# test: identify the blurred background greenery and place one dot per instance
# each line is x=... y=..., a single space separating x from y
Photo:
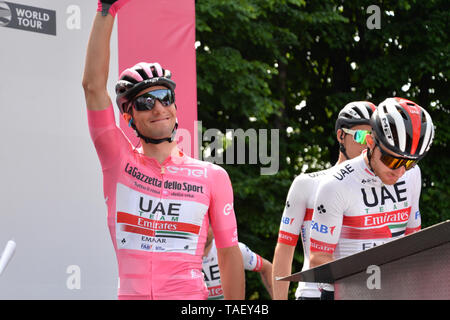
x=292 y=65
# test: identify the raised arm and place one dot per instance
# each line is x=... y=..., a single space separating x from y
x=97 y=63
x=96 y=66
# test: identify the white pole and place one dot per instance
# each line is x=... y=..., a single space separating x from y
x=7 y=255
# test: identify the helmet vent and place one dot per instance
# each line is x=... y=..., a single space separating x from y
x=358 y=112
x=154 y=72
x=129 y=79
x=402 y=113
x=424 y=119
x=142 y=73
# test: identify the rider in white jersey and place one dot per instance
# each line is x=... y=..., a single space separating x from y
x=252 y=262
x=373 y=198
x=352 y=120
x=355 y=210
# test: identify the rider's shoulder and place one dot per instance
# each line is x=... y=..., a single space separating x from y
x=314 y=175
x=306 y=182
x=413 y=173
x=211 y=169
x=339 y=177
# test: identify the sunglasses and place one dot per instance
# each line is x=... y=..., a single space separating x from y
x=147 y=100
x=358 y=135
x=393 y=162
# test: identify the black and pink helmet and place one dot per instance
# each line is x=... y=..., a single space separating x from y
x=403 y=127
x=139 y=77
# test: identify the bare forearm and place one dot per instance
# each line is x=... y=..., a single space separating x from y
x=232 y=273
x=319 y=258
x=282 y=267
x=97 y=62
x=266 y=276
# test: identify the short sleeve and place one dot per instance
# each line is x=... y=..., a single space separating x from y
x=108 y=139
x=221 y=209
x=252 y=261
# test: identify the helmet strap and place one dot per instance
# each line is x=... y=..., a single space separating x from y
x=341 y=145
x=155 y=141
x=343 y=151
x=369 y=158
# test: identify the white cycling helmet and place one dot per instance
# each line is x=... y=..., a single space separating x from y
x=403 y=127
x=354 y=113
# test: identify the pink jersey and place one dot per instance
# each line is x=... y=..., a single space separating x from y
x=159 y=214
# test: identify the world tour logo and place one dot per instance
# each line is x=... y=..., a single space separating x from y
x=18 y=16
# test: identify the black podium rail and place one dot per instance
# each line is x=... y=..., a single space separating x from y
x=416 y=266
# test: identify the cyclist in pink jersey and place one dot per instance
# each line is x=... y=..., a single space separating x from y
x=160 y=201
x=351 y=122
x=374 y=198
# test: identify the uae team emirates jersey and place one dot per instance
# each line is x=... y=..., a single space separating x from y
x=355 y=211
x=159 y=214
x=252 y=262
x=296 y=221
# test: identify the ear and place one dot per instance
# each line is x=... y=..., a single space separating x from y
x=126 y=116
x=340 y=136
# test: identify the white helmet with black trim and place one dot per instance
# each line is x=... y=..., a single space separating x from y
x=354 y=113
x=403 y=127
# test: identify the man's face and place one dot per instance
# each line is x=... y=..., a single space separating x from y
x=388 y=176
x=157 y=123
x=352 y=147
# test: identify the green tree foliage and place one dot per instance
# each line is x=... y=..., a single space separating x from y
x=292 y=65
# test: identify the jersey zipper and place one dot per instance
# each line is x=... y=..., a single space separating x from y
x=157 y=219
x=161 y=192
